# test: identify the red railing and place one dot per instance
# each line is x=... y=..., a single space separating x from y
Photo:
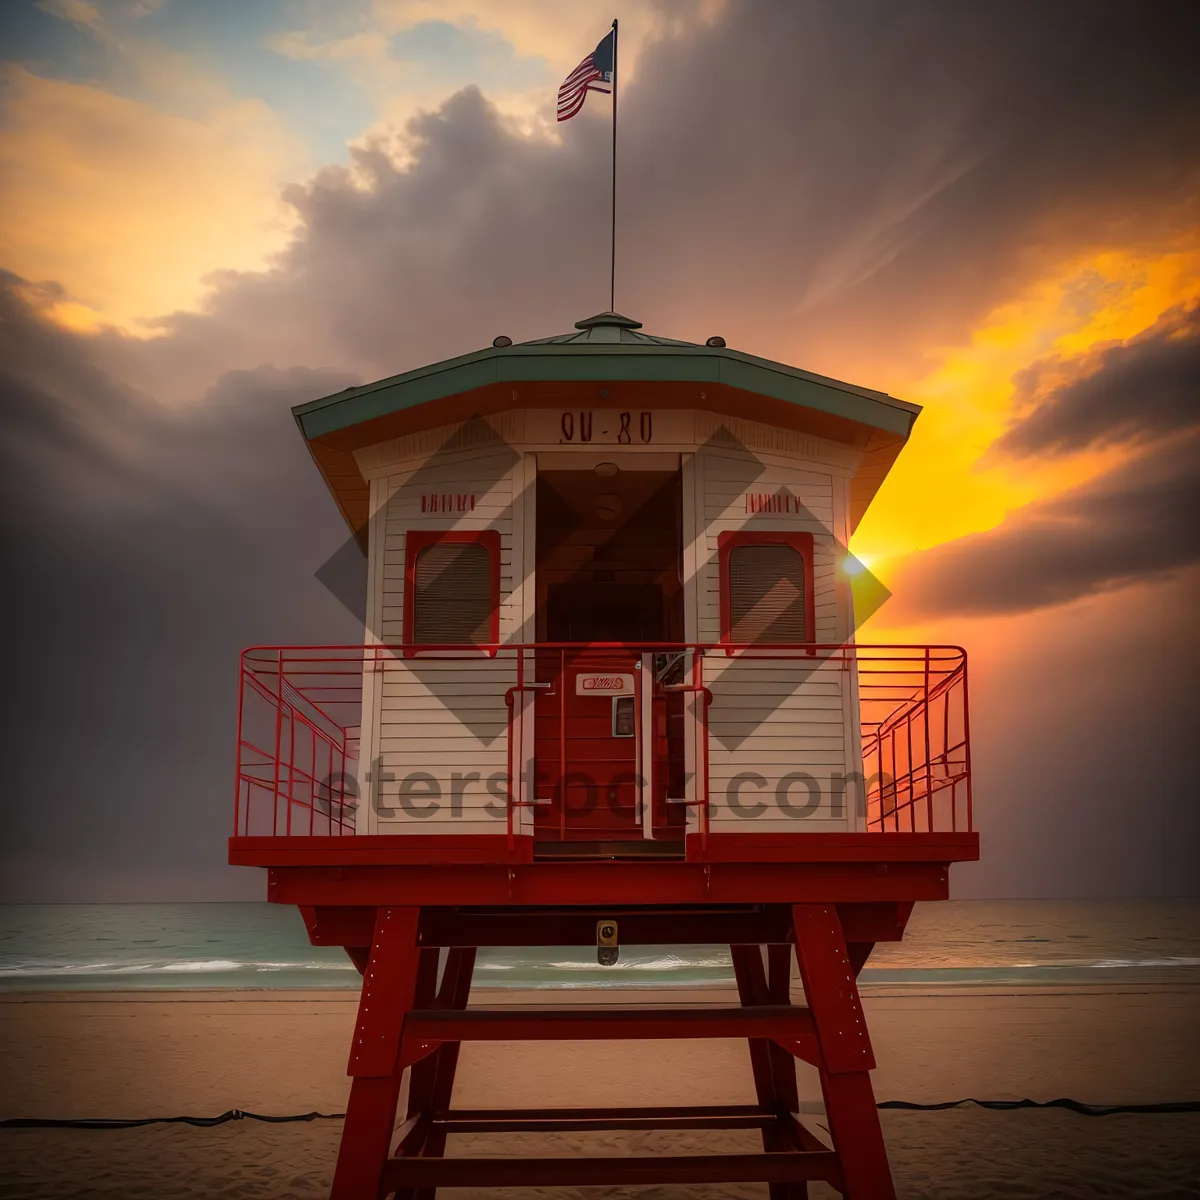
x=298 y=723
x=300 y=711
x=916 y=748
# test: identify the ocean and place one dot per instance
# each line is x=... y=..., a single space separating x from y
x=964 y=943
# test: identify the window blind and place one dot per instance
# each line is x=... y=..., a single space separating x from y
x=766 y=594
x=452 y=594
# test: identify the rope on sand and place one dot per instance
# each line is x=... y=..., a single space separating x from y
x=236 y=1114
x=1078 y=1106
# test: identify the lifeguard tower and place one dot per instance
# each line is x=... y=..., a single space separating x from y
x=608 y=695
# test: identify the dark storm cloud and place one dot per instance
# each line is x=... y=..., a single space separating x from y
x=1134 y=523
x=891 y=169
x=54 y=400
x=1140 y=390
x=145 y=547
x=76 y=438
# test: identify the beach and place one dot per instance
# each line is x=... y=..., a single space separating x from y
x=133 y=1054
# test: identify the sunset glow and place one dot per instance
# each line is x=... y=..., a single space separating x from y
x=946 y=484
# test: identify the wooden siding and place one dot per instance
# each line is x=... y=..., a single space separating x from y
x=441 y=733
x=776 y=729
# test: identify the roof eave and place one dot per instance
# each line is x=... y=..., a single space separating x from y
x=617 y=363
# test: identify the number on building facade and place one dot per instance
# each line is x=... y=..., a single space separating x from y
x=581 y=429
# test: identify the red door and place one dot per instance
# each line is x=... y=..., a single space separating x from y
x=587 y=729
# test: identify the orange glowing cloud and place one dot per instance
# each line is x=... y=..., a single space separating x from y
x=946 y=485
x=130 y=207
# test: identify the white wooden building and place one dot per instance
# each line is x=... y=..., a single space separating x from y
x=567 y=540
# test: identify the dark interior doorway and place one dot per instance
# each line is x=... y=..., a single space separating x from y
x=609 y=555
x=604 y=612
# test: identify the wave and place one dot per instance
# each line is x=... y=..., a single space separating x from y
x=669 y=963
x=174 y=966
x=1112 y=963
x=524 y=970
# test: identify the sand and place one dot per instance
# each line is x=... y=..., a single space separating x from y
x=136 y=1054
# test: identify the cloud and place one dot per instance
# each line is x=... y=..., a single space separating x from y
x=92 y=16
x=850 y=236
x=303 y=44
x=557 y=34
x=1134 y=523
x=130 y=207
x=1076 y=723
x=78 y=12
x=1136 y=391
x=146 y=547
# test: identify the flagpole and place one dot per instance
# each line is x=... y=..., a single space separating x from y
x=612 y=276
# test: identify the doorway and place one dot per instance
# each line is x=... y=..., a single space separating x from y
x=609 y=581
x=610 y=554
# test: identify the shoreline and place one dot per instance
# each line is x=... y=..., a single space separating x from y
x=677 y=993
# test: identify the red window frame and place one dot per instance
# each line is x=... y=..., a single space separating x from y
x=800 y=542
x=417 y=540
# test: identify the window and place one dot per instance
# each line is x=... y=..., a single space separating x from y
x=452 y=588
x=766 y=588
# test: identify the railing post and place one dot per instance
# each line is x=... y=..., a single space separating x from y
x=562 y=744
x=928 y=752
x=291 y=783
x=912 y=780
x=967 y=744
x=341 y=786
x=702 y=702
x=312 y=780
x=278 y=736
x=515 y=730
x=237 y=761
x=895 y=783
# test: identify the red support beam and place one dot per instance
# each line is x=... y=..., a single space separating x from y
x=343 y=925
x=874 y=922
x=710 y=926
x=452 y=995
x=389 y=986
x=753 y=990
x=375 y=849
x=608 y=884
x=593 y=1172
x=421 y=1077
x=579 y=1120
x=830 y=987
x=894 y=847
x=599 y=1024
x=458 y=849
x=858 y=953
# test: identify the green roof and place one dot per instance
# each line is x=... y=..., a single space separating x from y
x=606 y=348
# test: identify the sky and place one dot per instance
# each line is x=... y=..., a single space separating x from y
x=210 y=212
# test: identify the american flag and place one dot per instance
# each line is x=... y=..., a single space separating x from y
x=594 y=74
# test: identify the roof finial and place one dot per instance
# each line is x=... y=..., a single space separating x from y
x=613 y=319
